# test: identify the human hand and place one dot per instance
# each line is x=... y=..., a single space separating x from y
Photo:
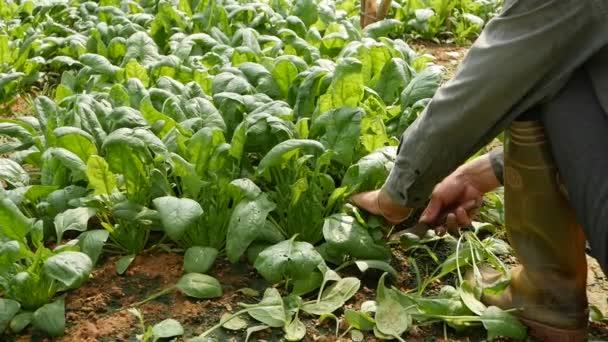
x=459 y=196
x=379 y=203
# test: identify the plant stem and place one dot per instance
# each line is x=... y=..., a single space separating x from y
x=221 y=323
x=154 y=296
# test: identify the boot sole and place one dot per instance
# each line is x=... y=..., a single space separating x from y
x=547 y=333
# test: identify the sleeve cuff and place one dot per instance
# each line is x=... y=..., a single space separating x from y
x=498 y=163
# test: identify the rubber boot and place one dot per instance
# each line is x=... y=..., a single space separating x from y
x=550 y=285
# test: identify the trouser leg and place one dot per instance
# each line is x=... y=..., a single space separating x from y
x=577 y=128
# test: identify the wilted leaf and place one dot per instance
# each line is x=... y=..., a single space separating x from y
x=167 y=328
x=270 y=310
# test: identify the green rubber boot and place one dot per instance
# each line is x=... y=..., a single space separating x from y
x=550 y=285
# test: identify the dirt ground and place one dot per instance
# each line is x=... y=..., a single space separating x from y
x=97 y=311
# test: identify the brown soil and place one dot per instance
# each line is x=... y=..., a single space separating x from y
x=15 y=107
x=446 y=55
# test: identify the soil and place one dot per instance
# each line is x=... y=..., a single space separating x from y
x=97 y=311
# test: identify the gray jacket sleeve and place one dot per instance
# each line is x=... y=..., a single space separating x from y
x=524 y=55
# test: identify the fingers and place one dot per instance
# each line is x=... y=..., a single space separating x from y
x=461 y=217
x=432 y=210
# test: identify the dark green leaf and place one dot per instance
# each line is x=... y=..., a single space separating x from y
x=70 y=268
x=8 y=310
x=500 y=323
x=359 y=320
x=13 y=173
x=287 y=260
x=199 y=286
x=177 y=214
x=339 y=130
x=246 y=222
x=91 y=243
x=50 y=318
x=199 y=259
x=20 y=321
x=123 y=263
x=344 y=234
x=73 y=219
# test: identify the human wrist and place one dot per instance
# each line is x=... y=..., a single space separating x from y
x=392 y=210
x=479 y=173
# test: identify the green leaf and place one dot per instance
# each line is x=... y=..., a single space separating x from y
x=141 y=47
x=359 y=320
x=284 y=73
x=287 y=260
x=383 y=28
x=333 y=297
x=99 y=64
x=500 y=323
x=50 y=318
x=306 y=10
x=269 y=310
x=134 y=70
x=347 y=87
x=470 y=296
x=295 y=330
x=101 y=179
x=345 y=235
x=285 y=150
x=246 y=222
x=365 y=265
x=123 y=263
x=167 y=329
x=76 y=141
x=199 y=259
x=177 y=214
x=20 y=321
x=235 y=323
x=395 y=75
x=70 y=268
x=422 y=86
x=8 y=310
x=391 y=317
x=252 y=330
x=13 y=173
x=73 y=219
x=91 y=243
x=370 y=171
x=14 y=225
x=595 y=314
x=307 y=285
x=199 y=286
x=339 y=130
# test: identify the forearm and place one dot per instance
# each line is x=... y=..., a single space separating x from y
x=485 y=95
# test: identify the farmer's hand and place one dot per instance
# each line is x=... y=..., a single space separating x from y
x=379 y=203
x=461 y=194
